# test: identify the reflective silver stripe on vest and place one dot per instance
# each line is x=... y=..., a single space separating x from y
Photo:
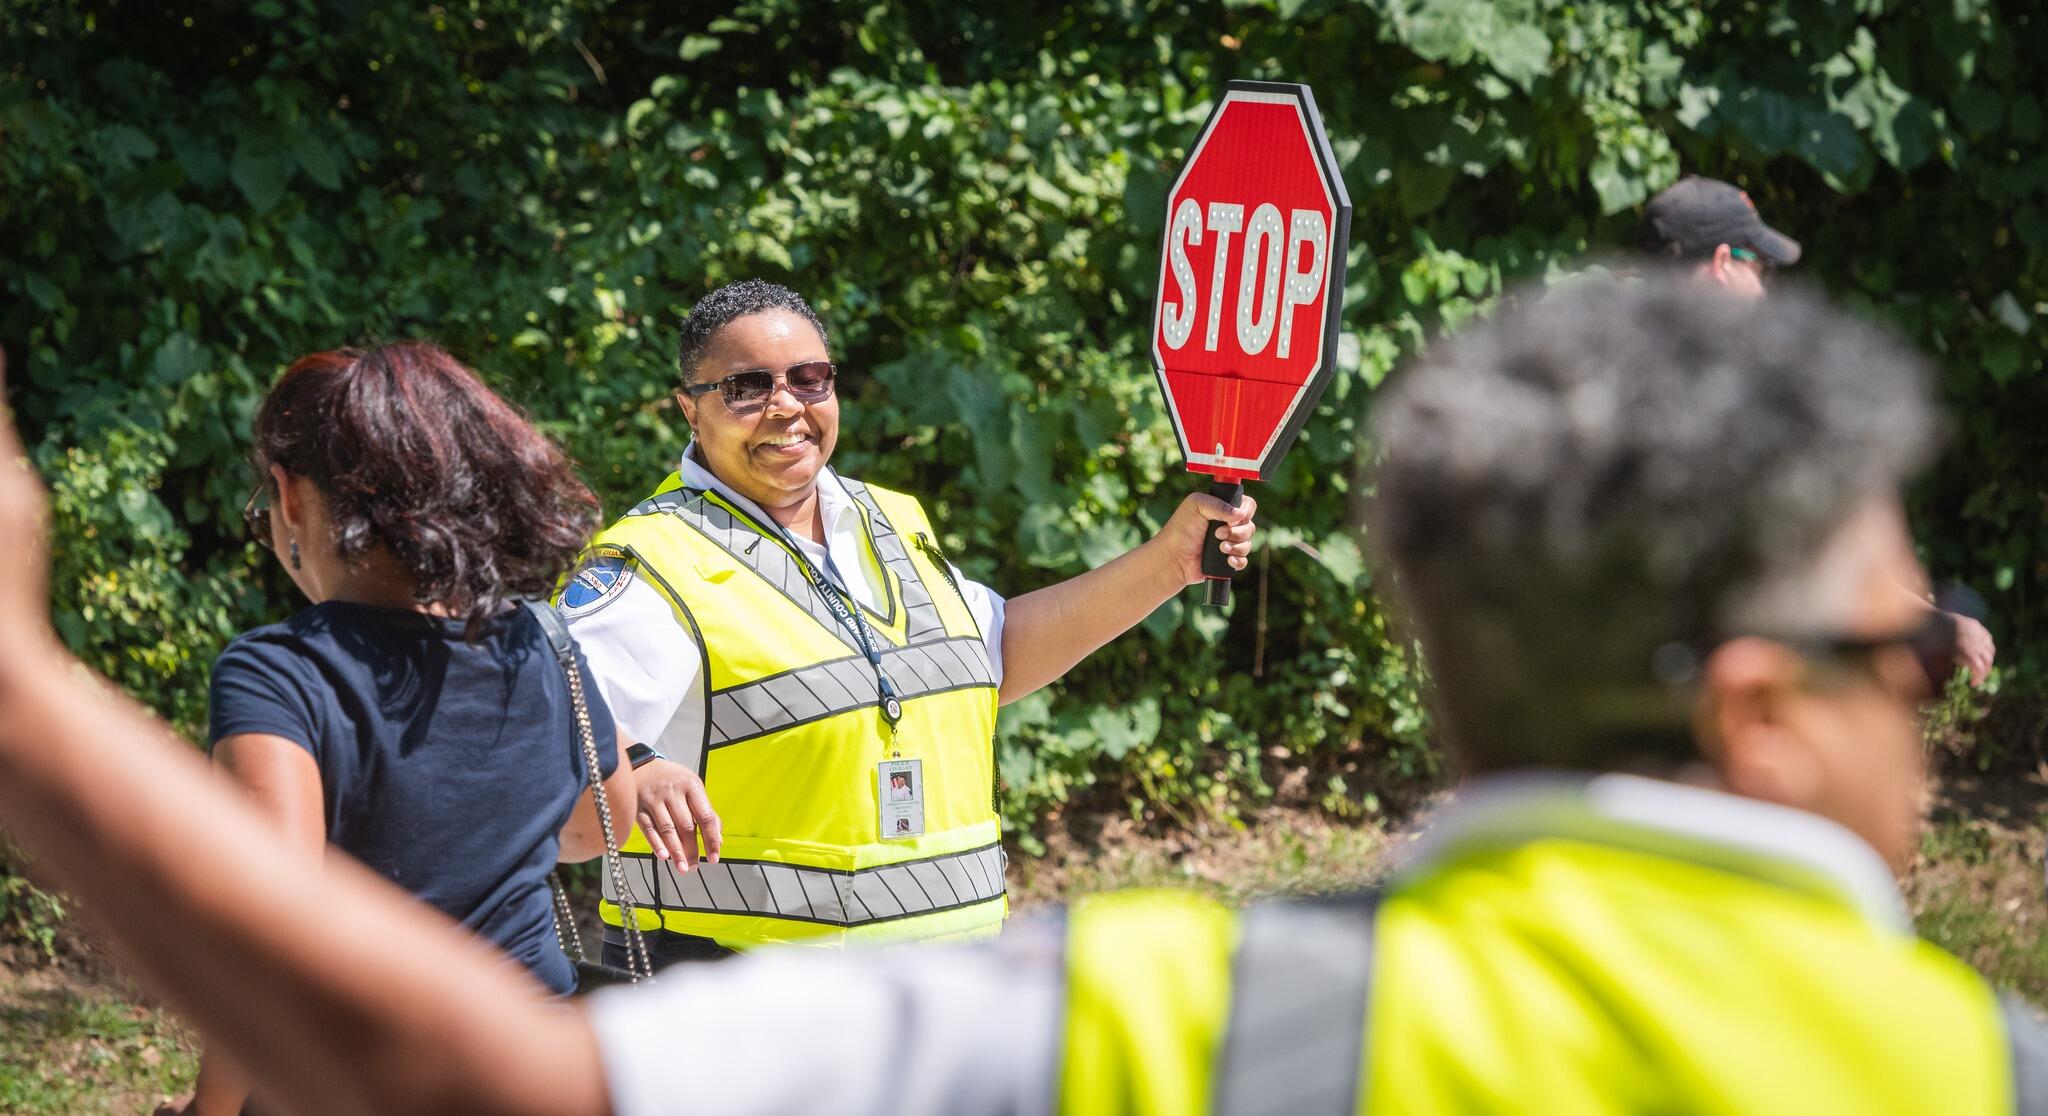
x=752 y=887
x=826 y=689
x=1299 y=989
x=922 y=615
x=2028 y=1042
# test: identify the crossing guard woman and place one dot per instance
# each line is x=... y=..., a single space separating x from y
x=795 y=639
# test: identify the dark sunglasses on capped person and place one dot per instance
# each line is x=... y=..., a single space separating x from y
x=1764 y=264
x=1933 y=634
x=748 y=391
x=256 y=514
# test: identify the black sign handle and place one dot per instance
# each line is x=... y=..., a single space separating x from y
x=1215 y=563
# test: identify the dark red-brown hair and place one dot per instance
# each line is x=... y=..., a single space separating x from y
x=416 y=456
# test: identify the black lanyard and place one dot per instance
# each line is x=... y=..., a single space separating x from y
x=892 y=707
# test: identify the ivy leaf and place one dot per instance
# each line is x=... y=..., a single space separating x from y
x=1045 y=538
x=1978 y=109
x=1121 y=730
x=1520 y=52
x=177 y=359
x=1696 y=107
x=697 y=46
x=2032 y=228
x=123 y=145
x=2023 y=118
x=1617 y=187
x=259 y=173
x=1422 y=187
x=2002 y=358
x=46 y=294
x=317 y=159
x=1106 y=541
x=1034 y=435
x=1339 y=554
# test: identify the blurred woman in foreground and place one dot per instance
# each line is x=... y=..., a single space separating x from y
x=414 y=715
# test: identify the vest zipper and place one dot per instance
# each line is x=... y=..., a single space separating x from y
x=931 y=550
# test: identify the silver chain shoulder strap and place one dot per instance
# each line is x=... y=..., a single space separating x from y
x=639 y=965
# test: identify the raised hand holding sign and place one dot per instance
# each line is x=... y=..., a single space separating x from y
x=1251 y=280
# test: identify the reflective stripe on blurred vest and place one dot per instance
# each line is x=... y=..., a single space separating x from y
x=1554 y=976
x=794 y=734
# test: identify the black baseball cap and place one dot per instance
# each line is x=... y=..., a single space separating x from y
x=1696 y=215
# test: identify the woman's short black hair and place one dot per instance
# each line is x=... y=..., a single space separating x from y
x=416 y=456
x=728 y=304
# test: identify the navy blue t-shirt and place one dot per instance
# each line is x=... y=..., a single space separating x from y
x=448 y=767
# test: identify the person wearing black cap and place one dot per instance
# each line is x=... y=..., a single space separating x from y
x=1714 y=229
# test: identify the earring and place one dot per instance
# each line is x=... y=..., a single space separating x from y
x=294 y=548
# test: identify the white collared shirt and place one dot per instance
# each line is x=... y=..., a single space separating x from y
x=648 y=667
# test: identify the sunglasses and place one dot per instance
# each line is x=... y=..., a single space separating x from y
x=1932 y=642
x=748 y=391
x=1763 y=265
x=1930 y=639
x=1933 y=635
x=256 y=516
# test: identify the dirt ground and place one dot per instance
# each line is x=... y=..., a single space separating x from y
x=1977 y=887
x=75 y=1037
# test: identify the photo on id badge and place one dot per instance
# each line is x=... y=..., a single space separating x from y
x=901 y=786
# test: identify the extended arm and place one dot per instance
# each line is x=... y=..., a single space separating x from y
x=1046 y=632
x=283 y=783
x=582 y=835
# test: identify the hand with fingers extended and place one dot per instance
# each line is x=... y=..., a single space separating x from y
x=1198 y=517
x=675 y=814
x=1974 y=648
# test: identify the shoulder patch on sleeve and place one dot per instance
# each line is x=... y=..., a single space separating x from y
x=597 y=583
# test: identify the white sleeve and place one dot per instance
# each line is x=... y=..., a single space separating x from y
x=924 y=1031
x=986 y=606
x=646 y=664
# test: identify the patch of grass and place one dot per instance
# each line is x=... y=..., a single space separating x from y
x=1976 y=888
x=1958 y=844
x=72 y=1049
x=1295 y=852
x=2009 y=954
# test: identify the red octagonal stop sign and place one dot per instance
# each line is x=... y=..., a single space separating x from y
x=1251 y=280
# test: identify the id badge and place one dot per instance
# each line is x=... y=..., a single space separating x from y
x=901 y=784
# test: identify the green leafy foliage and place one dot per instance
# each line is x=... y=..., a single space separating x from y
x=193 y=194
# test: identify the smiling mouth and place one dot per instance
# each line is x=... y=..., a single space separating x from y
x=786 y=443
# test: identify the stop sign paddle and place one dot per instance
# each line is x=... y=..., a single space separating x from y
x=1251 y=285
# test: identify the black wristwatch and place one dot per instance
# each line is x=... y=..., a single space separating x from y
x=640 y=755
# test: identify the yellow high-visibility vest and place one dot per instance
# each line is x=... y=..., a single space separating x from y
x=1554 y=976
x=794 y=734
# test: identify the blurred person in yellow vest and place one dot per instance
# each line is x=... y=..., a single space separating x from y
x=1650 y=546
x=1713 y=230
x=797 y=640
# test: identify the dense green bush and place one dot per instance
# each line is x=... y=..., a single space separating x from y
x=193 y=193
